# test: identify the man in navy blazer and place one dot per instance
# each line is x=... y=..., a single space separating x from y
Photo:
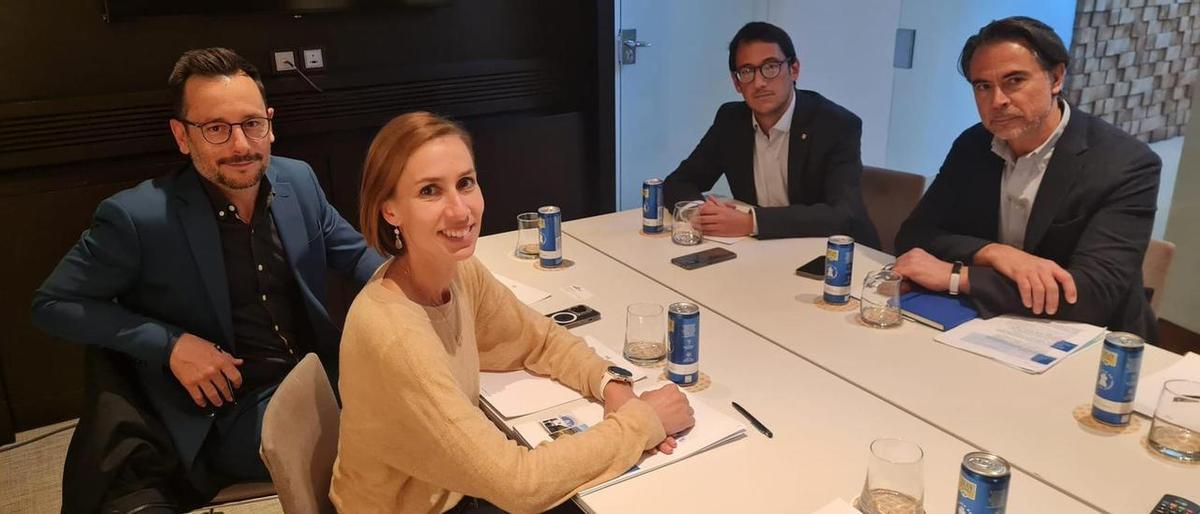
x=211 y=280
x=792 y=154
x=1042 y=209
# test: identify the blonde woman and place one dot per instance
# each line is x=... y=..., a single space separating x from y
x=412 y=436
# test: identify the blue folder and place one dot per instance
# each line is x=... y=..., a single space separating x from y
x=938 y=310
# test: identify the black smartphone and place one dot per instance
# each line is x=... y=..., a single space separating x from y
x=703 y=258
x=572 y=317
x=814 y=269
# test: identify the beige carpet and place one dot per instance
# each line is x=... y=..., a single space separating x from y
x=31 y=474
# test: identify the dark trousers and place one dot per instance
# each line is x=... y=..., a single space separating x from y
x=472 y=505
x=121 y=459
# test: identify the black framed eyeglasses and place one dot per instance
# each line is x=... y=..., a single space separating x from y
x=769 y=70
x=219 y=132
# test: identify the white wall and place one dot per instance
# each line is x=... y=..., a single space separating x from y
x=931 y=103
x=845 y=50
x=1181 y=304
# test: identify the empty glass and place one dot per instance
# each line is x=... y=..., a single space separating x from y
x=645 y=334
x=1175 y=431
x=686 y=227
x=879 y=303
x=527 y=236
x=895 y=481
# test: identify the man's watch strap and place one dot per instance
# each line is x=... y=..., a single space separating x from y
x=955 y=276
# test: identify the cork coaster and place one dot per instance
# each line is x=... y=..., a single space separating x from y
x=1083 y=416
x=660 y=235
x=700 y=385
x=851 y=305
x=566 y=263
x=1163 y=458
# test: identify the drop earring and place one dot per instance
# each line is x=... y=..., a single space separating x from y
x=399 y=243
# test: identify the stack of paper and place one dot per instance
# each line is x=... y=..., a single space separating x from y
x=1029 y=344
x=713 y=428
x=1150 y=386
x=517 y=393
x=526 y=293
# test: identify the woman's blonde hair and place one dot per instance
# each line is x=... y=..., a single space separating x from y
x=386 y=158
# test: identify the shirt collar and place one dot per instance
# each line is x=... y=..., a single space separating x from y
x=224 y=210
x=1001 y=148
x=784 y=125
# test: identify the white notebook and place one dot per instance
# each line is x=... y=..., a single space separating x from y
x=513 y=394
x=713 y=428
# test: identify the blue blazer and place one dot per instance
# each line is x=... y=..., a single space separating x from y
x=150 y=268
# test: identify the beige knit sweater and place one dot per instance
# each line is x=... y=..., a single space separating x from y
x=412 y=436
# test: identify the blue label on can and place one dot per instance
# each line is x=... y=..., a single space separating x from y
x=683 y=359
x=652 y=215
x=839 y=267
x=1116 y=383
x=978 y=494
x=550 y=238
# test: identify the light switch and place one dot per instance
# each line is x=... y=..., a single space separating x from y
x=314 y=59
x=285 y=60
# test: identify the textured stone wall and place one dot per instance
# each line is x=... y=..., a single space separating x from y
x=1135 y=63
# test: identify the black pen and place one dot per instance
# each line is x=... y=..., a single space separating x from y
x=754 y=421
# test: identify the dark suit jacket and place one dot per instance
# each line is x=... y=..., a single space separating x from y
x=824 y=168
x=150 y=269
x=1092 y=215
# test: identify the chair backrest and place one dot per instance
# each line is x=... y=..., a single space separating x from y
x=1155 y=266
x=300 y=436
x=890 y=197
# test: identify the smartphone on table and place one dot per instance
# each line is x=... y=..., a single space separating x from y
x=703 y=258
x=814 y=269
x=572 y=317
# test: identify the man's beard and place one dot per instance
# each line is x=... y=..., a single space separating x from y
x=229 y=182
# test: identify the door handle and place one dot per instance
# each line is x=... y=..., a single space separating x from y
x=629 y=46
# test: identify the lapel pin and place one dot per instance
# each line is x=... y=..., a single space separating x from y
x=803 y=136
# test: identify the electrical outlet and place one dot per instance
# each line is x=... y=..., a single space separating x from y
x=285 y=60
x=314 y=59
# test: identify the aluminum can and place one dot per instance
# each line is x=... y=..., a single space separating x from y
x=652 y=206
x=839 y=267
x=1116 y=383
x=982 y=484
x=550 y=236
x=683 y=334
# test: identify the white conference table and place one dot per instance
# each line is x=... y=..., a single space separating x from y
x=822 y=424
x=1027 y=419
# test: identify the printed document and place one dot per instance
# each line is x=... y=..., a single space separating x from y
x=1029 y=344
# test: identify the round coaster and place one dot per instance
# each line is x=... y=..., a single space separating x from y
x=1083 y=416
x=851 y=305
x=660 y=235
x=700 y=385
x=566 y=263
x=1163 y=458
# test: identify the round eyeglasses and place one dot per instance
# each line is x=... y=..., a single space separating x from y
x=769 y=70
x=219 y=132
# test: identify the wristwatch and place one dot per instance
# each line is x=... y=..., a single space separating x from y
x=615 y=374
x=955 y=275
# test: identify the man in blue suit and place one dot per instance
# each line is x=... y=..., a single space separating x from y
x=211 y=280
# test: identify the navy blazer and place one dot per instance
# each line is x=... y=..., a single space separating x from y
x=824 y=170
x=1093 y=215
x=150 y=268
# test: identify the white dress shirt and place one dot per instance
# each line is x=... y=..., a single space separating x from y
x=770 y=161
x=1020 y=182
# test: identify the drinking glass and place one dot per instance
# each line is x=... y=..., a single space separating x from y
x=686 y=227
x=895 y=481
x=645 y=334
x=527 y=236
x=879 y=303
x=1175 y=431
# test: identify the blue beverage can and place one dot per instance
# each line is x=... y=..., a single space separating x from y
x=1116 y=384
x=683 y=333
x=550 y=236
x=652 y=206
x=839 y=266
x=983 y=484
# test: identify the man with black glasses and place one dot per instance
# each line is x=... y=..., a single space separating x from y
x=791 y=154
x=207 y=285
